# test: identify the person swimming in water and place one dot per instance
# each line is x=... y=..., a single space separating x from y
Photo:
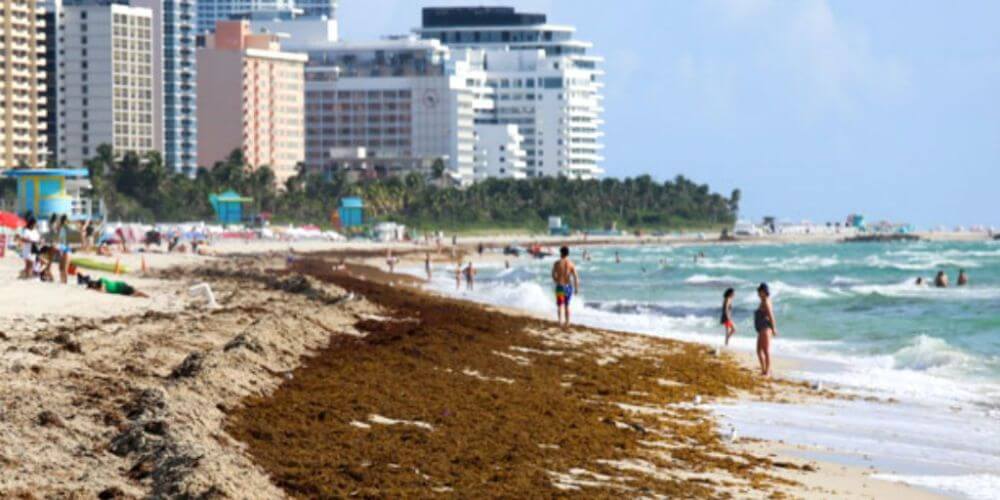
x=567 y=281
x=727 y=313
x=963 y=279
x=941 y=280
x=766 y=326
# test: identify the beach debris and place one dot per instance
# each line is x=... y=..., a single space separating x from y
x=190 y=367
x=49 y=419
x=732 y=435
x=717 y=352
x=379 y=419
x=112 y=493
x=817 y=386
x=205 y=291
x=243 y=341
x=68 y=343
x=295 y=283
x=697 y=399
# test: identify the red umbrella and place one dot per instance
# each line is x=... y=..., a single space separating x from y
x=11 y=220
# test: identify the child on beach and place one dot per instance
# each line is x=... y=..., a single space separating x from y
x=727 y=313
x=29 y=239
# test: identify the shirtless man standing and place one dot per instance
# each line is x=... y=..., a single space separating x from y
x=563 y=271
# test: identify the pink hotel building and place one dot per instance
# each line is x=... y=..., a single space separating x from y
x=250 y=96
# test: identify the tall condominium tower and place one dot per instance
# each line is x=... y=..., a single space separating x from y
x=404 y=102
x=250 y=95
x=175 y=69
x=105 y=82
x=22 y=83
x=544 y=80
x=210 y=11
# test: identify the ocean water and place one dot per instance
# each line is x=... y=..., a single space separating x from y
x=849 y=315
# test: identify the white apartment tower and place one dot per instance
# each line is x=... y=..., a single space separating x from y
x=22 y=83
x=544 y=81
x=406 y=102
x=105 y=82
x=499 y=154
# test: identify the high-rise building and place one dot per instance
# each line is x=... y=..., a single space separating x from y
x=22 y=76
x=175 y=93
x=247 y=79
x=544 y=80
x=104 y=81
x=499 y=153
x=210 y=11
x=407 y=102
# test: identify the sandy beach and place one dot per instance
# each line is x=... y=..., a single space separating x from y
x=312 y=381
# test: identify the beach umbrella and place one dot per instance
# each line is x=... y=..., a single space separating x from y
x=11 y=220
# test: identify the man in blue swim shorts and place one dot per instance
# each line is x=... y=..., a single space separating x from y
x=567 y=281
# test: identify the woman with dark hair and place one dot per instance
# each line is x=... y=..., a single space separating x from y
x=727 y=313
x=29 y=239
x=763 y=322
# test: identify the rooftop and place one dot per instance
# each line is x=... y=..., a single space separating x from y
x=441 y=17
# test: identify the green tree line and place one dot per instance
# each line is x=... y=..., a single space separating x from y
x=141 y=188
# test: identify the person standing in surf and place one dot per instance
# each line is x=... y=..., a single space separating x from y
x=763 y=322
x=567 y=281
x=727 y=313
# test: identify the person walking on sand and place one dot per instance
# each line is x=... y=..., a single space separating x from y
x=567 y=281
x=763 y=322
x=727 y=313
x=390 y=261
x=963 y=279
x=458 y=275
x=427 y=265
x=470 y=276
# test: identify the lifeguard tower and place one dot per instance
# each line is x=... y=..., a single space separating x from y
x=351 y=212
x=59 y=191
x=228 y=206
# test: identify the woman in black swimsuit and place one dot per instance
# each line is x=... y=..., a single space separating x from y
x=763 y=322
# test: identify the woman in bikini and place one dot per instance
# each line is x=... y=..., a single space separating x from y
x=763 y=322
x=727 y=313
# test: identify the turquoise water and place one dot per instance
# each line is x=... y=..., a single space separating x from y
x=849 y=315
x=859 y=299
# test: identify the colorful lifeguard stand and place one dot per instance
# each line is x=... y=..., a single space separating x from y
x=352 y=212
x=44 y=192
x=228 y=206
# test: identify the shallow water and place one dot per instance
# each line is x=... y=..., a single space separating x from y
x=851 y=312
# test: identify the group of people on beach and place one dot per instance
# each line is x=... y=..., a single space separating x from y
x=763 y=322
x=566 y=281
x=41 y=250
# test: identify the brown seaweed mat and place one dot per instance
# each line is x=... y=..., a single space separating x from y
x=451 y=399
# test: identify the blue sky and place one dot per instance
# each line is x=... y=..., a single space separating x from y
x=813 y=108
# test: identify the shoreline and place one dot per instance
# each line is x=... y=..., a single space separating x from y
x=260 y=363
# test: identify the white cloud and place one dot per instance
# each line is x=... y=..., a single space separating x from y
x=825 y=64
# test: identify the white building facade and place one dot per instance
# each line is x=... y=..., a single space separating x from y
x=499 y=154
x=407 y=102
x=544 y=82
x=210 y=11
x=105 y=82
